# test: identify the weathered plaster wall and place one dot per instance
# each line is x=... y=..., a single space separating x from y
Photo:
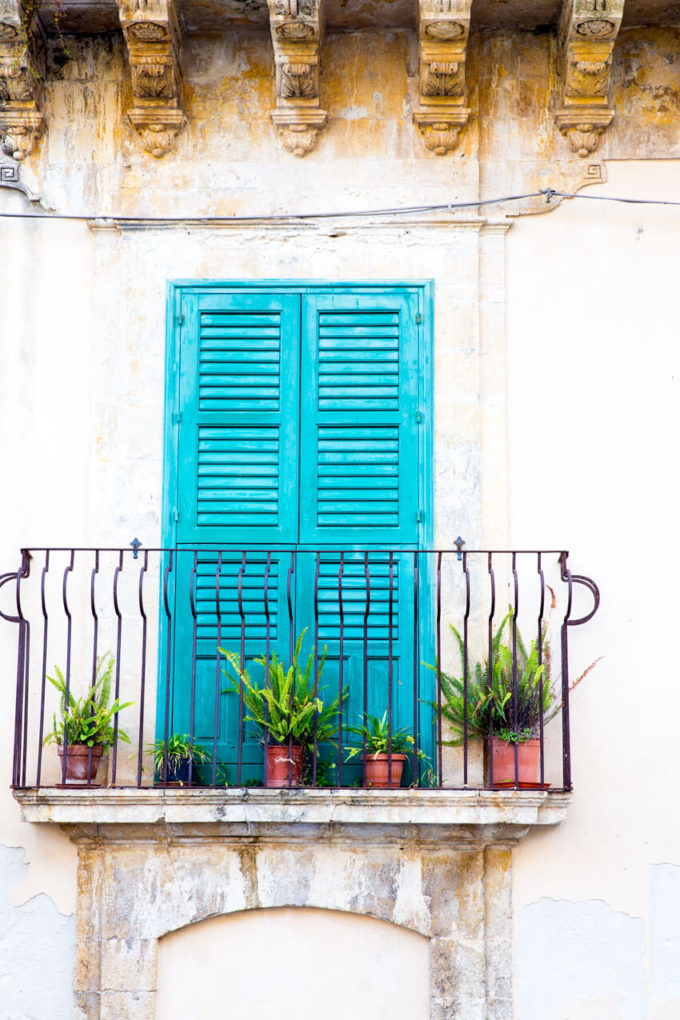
x=593 y=381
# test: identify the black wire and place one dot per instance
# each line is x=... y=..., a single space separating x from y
x=450 y=207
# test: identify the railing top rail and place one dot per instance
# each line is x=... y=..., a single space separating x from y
x=261 y=547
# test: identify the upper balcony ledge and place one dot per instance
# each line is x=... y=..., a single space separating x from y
x=474 y=815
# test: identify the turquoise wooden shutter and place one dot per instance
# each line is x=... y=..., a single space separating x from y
x=359 y=407
x=238 y=401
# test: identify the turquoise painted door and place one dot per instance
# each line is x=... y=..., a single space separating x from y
x=298 y=432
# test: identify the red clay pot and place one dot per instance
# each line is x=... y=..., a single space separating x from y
x=78 y=760
x=528 y=762
x=284 y=765
x=376 y=770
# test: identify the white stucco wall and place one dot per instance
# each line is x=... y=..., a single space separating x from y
x=593 y=384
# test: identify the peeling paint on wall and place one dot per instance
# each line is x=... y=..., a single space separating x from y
x=579 y=961
x=37 y=951
x=664 y=933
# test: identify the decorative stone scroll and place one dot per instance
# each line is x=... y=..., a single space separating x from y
x=153 y=36
x=444 y=26
x=587 y=34
x=297 y=30
x=22 y=78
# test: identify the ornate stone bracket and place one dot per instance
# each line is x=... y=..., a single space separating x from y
x=22 y=77
x=444 y=26
x=297 y=30
x=153 y=36
x=587 y=34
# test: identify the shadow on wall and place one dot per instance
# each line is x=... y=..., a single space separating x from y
x=294 y=962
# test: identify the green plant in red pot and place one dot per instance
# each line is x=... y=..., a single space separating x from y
x=291 y=717
x=87 y=725
x=384 y=753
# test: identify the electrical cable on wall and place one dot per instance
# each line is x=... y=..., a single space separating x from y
x=151 y=221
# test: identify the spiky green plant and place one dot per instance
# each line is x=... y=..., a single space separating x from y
x=376 y=733
x=88 y=720
x=286 y=708
x=491 y=707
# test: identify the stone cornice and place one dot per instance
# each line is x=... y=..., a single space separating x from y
x=466 y=816
x=443 y=31
x=587 y=34
x=153 y=36
x=22 y=77
x=297 y=32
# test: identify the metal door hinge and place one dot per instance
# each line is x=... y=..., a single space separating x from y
x=177 y=417
x=176 y=515
x=419 y=318
x=419 y=417
x=419 y=516
x=180 y=320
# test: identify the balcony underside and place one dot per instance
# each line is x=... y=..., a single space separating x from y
x=95 y=16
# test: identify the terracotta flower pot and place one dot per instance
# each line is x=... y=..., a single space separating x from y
x=79 y=767
x=528 y=762
x=284 y=765
x=377 y=771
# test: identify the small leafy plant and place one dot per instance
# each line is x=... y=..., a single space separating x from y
x=89 y=720
x=376 y=733
x=180 y=749
x=286 y=708
x=491 y=707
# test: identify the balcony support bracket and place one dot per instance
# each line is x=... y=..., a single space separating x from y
x=22 y=79
x=444 y=27
x=587 y=34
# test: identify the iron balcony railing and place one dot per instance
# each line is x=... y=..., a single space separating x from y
x=451 y=654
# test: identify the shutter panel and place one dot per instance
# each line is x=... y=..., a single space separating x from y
x=238 y=458
x=359 y=396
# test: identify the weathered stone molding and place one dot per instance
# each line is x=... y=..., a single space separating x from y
x=22 y=77
x=153 y=36
x=297 y=31
x=444 y=27
x=587 y=34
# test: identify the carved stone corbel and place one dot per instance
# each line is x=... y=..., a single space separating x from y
x=587 y=34
x=153 y=36
x=297 y=30
x=22 y=78
x=444 y=27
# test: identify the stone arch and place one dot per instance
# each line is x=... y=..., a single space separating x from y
x=299 y=960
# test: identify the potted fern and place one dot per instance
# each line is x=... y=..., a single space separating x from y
x=491 y=706
x=289 y=715
x=174 y=762
x=384 y=755
x=87 y=724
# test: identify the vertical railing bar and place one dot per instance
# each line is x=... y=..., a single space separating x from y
x=564 y=650
x=489 y=677
x=365 y=649
x=341 y=665
x=243 y=666
x=218 y=613
x=540 y=663
x=316 y=665
x=25 y=719
x=194 y=643
x=439 y=670
x=43 y=679
x=291 y=648
x=168 y=669
x=416 y=671
x=21 y=672
x=466 y=667
x=142 y=681
x=267 y=655
x=389 y=677
x=515 y=693
x=119 y=639
x=69 y=624
x=95 y=643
